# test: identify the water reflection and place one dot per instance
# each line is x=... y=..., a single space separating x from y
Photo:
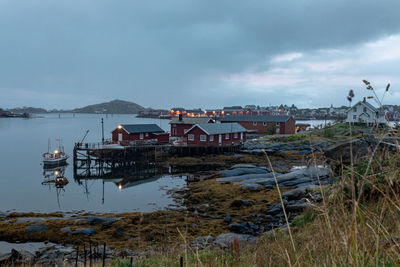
x=122 y=178
x=55 y=177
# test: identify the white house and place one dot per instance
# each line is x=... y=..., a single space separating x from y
x=364 y=112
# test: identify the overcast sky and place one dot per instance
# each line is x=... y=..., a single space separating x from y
x=205 y=53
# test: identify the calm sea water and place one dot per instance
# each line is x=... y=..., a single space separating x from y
x=22 y=142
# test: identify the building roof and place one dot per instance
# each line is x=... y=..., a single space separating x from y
x=142 y=128
x=219 y=128
x=369 y=106
x=190 y=120
x=255 y=118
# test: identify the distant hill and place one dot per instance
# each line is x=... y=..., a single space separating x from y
x=112 y=107
x=29 y=110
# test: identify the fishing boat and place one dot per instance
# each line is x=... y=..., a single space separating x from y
x=57 y=157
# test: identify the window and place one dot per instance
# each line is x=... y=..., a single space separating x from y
x=141 y=136
x=365 y=109
x=190 y=137
x=203 y=138
x=264 y=123
x=277 y=124
x=211 y=138
x=254 y=123
x=147 y=134
x=355 y=109
x=226 y=136
x=235 y=135
x=354 y=117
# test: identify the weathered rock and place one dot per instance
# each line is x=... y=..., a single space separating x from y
x=242 y=170
x=35 y=228
x=298 y=207
x=238 y=203
x=202 y=242
x=84 y=231
x=104 y=221
x=295 y=194
x=240 y=228
x=224 y=240
x=66 y=229
x=120 y=231
x=228 y=219
x=340 y=151
x=250 y=186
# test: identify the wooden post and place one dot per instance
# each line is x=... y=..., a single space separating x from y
x=131 y=264
x=90 y=254
x=84 y=255
x=181 y=261
x=77 y=255
x=104 y=254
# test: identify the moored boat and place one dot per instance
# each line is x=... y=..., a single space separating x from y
x=56 y=158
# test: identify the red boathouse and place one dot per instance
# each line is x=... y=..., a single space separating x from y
x=146 y=133
x=180 y=125
x=216 y=134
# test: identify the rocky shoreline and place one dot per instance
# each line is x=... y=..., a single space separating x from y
x=242 y=203
x=236 y=200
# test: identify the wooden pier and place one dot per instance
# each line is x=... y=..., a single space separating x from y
x=96 y=159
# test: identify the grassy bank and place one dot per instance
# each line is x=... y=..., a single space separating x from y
x=357 y=224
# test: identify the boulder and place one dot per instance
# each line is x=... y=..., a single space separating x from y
x=228 y=219
x=35 y=228
x=340 y=151
x=202 y=242
x=84 y=231
x=242 y=170
x=240 y=228
x=295 y=194
x=104 y=221
x=238 y=203
x=225 y=240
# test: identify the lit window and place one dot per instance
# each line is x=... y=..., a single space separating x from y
x=211 y=138
x=254 y=123
x=203 y=138
x=190 y=137
x=227 y=136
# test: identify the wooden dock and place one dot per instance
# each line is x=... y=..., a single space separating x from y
x=96 y=159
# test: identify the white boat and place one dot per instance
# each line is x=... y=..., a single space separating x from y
x=55 y=158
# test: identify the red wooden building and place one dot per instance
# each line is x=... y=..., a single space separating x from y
x=180 y=125
x=151 y=133
x=216 y=134
x=263 y=124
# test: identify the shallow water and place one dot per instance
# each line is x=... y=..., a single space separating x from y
x=22 y=142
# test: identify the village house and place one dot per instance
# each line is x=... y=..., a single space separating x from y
x=216 y=134
x=365 y=113
x=263 y=124
x=180 y=125
x=140 y=133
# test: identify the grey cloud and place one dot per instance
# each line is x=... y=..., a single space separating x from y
x=163 y=53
